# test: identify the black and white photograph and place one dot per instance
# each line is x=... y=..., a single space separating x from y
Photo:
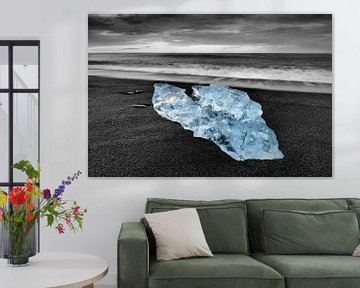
x=210 y=95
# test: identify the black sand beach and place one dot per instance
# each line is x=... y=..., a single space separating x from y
x=135 y=141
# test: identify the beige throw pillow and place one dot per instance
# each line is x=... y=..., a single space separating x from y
x=357 y=251
x=178 y=234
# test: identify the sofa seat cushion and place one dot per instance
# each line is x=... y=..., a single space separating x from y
x=222 y=270
x=313 y=271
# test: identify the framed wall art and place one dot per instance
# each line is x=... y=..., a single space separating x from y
x=204 y=95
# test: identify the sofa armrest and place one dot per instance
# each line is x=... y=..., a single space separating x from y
x=133 y=256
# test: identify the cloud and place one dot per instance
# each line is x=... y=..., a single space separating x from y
x=294 y=33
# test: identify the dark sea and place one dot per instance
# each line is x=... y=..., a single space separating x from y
x=272 y=71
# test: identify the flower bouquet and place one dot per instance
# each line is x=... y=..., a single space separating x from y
x=21 y=208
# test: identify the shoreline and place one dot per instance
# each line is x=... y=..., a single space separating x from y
x=263 y=84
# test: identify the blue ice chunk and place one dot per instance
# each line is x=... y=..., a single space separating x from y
x=226 y=116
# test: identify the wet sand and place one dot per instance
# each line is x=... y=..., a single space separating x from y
x=136 y=142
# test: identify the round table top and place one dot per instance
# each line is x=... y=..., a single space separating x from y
x=58 y=269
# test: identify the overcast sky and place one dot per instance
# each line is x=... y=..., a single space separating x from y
x=210 y=33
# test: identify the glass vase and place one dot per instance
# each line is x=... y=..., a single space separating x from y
x=18 y=242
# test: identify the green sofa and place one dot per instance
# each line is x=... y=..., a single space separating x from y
x=233 y=231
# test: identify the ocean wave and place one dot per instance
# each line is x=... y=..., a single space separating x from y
x=289 y=74
x=269 y=83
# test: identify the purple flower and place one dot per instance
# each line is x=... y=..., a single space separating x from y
x=58 y=192
x=64 y=183
x=46 y=194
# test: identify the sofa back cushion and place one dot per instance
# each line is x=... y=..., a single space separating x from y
x=298 y=232
x=353 y=202
x=255 y=206
x=354 y=205
x=223 y=221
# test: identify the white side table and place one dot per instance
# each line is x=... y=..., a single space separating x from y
x=50 y=270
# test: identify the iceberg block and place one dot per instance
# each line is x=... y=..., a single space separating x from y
x=226 y=116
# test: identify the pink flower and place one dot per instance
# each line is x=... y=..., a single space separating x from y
x=1 y=213
x=60 y=228
x=68 y=219
x=75 y=210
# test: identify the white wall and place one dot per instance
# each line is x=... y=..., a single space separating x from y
x=61 y=25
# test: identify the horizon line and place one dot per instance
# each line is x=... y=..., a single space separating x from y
x=219 y=53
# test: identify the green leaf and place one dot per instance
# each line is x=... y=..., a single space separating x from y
x=52 y=211
x=79 y=221
x=50 y=219
x=28 y=168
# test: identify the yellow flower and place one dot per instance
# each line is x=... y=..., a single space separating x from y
x=3 y=198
